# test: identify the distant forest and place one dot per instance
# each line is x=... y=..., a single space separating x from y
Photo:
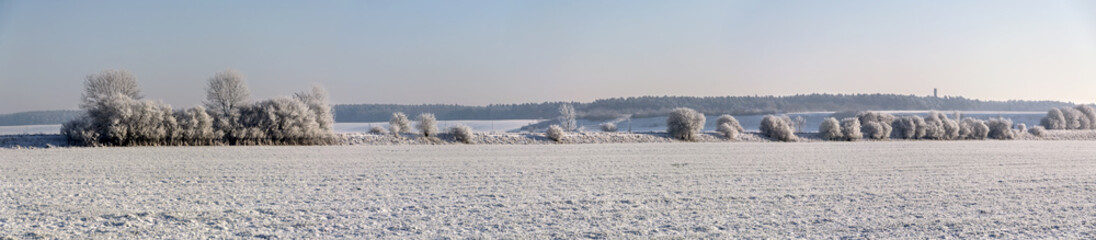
x=656 y=106
x=637 y=107
x=38 y=117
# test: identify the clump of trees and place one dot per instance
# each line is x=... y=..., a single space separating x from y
x=685 y=124
x=116 y=115
x=876 y=125
x=555 y=132
x=778 y=128
x=1078 y=117
x=462 y=133
x=728 y=126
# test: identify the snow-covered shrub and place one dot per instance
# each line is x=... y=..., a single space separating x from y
x=555 y=132
x=281 y=121
x=567 y=119
x=378 y=130
x=1089 y=115
x=1021 y=128
x=81 y=131
x=909 y=127
x=685 y=124
x=876 y=125
x=195 y=127
x=428 y=125
x=873 y=130
x=1054 y=120
x=971 y=128
x=608 y=127
x=462 y=133
x=1038 y=131
x=399 y=124
x=1000 y=128
x=728 y=119
x=938 y=126
x=850 y=129
x=728 y=131
x=830 y=130
x=778 y=128
x=1072 y=117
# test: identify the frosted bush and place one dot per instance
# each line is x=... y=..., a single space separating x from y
x=938 y=126
x=1054 y=120
x=971 y=128
x=399 y=124
x=873 y=130
x=428 y=125
x=830 y=130
x=1072 y=118
x=378 y=130
x=909 y=127
x=555 y=132
x=1089 y=115
x=778 y=128
x=850 y=128
x=1000 y=128
x=1038 y=131
x=728 y=119
x=876 y=125
x=684 y=124
x=608 y=127
x=462 y=133
x=728 y=131
x=317 y=102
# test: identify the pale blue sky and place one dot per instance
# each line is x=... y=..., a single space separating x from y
x=483 y=52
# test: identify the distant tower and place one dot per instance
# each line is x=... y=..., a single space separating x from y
x=934 y=93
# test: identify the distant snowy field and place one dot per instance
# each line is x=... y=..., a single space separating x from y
x=872 y=190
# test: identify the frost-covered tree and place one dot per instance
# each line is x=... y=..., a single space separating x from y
x=1072 y=117
x=939 y=126
x=728 y=119
x=1089 y=115
x=800 y=123
x=608 y=127
x=830 y=130
x=778 y=128
x=317 y=101
x=555 y=132
x=971 y=128
x=107 y=84
x=685 y=124
x=850 y=129
x=1021 y=128
x=1000 y=128
x=728 y=131
x=1054 y=120
x=1038 y=131
x=909 y=127
x=399 y=124
x=880 y=124
x=462 y=133
x=428 y=125
x=225 y=92
x=281 y=121
x=567 y=119
x=873 y=130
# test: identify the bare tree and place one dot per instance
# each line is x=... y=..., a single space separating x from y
x=106 y=84
x=226 y=92
x=567 y=117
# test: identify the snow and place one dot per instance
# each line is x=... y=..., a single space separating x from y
x=821 y=190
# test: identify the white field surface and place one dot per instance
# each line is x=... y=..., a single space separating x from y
x=892 y=189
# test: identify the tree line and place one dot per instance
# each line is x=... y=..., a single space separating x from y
x=661 y=106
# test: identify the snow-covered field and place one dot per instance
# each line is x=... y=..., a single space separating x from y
x=891 y=189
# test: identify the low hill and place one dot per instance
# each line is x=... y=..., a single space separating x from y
x=38 y=117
